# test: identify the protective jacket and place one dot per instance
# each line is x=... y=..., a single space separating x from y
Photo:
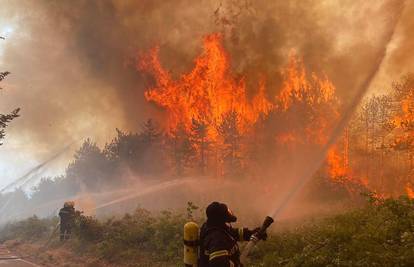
x=67 y=215
x=218 y=245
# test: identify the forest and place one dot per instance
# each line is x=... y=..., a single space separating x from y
x=215 y=127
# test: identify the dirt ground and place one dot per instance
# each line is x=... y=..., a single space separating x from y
x=53 y=255
x=64 y=255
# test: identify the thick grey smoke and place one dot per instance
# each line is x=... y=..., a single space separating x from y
x=72 y=62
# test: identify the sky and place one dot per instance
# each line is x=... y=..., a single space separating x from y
x=73 y=62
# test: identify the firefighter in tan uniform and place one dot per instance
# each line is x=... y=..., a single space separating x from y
x=218 y=240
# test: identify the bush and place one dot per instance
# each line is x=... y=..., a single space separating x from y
x=159 y=237
x=380 y=234
x=32 y=228
x=89 y=229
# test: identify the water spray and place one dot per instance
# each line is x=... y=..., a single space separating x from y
x=136 y=194
x=27 y=177
x=315 y=165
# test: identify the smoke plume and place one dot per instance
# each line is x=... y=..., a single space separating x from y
x=73 y=62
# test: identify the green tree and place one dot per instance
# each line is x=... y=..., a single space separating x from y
x=140 y=152
x=124 y=148
x=5 y=119
x=91 y=168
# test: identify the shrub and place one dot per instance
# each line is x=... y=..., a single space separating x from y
x=32 y=228
x=380 y=234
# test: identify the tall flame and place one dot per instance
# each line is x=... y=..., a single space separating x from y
x=207 y=92
x=210 y=90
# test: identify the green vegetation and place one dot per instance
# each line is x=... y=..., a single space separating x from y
x=31 y=229
x=138 y=237
x=379 y=234
x=5 y=119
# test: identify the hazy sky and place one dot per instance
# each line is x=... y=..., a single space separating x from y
x=72 y=77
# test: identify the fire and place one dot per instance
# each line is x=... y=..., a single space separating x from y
x=409 y=190
x=210 y=91
x=340 y=172
x=297 y=87
x=403 y=139
x=404 y=121
x=207 y=92
x=337 y=164
x=310 y=97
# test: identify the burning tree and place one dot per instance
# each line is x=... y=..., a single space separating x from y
x=230 y=135
x=403 y=122
x=215 y=108
x=181 y=149
x=225 y=122
x=199 y=138
x=380 y=141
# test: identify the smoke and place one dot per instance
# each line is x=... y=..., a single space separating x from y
x=72 y=62
x=398 y=61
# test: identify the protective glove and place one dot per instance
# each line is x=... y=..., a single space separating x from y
x=260 y=236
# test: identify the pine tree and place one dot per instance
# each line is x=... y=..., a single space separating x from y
x=149 y=132
x=5 y=119
x=181 y=150
x=90 y=167
x=230 y=135
x=199 y=139
x=140 y=152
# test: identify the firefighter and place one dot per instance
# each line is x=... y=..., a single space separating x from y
x=67 y=216
x=218 y=240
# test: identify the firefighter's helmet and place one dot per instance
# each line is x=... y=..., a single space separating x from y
x=218 y=213
x=69 y=204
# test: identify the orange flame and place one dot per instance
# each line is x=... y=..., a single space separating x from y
x=312 y=96
x=210 y=90
x=337 y=167
x=297 y=86
x=207 y=92
x=339 y=170
x=409 y=190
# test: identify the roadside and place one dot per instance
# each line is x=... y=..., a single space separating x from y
x=9 y=259
x=35 y=254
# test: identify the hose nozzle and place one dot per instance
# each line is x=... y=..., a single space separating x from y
x=266 y=223
x=256 y=237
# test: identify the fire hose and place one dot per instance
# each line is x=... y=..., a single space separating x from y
x=51 y=235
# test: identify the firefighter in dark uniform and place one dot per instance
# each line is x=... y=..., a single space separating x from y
x=67 y=216
x=218 y=240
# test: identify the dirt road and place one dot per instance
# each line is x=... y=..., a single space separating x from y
x=7 y=259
